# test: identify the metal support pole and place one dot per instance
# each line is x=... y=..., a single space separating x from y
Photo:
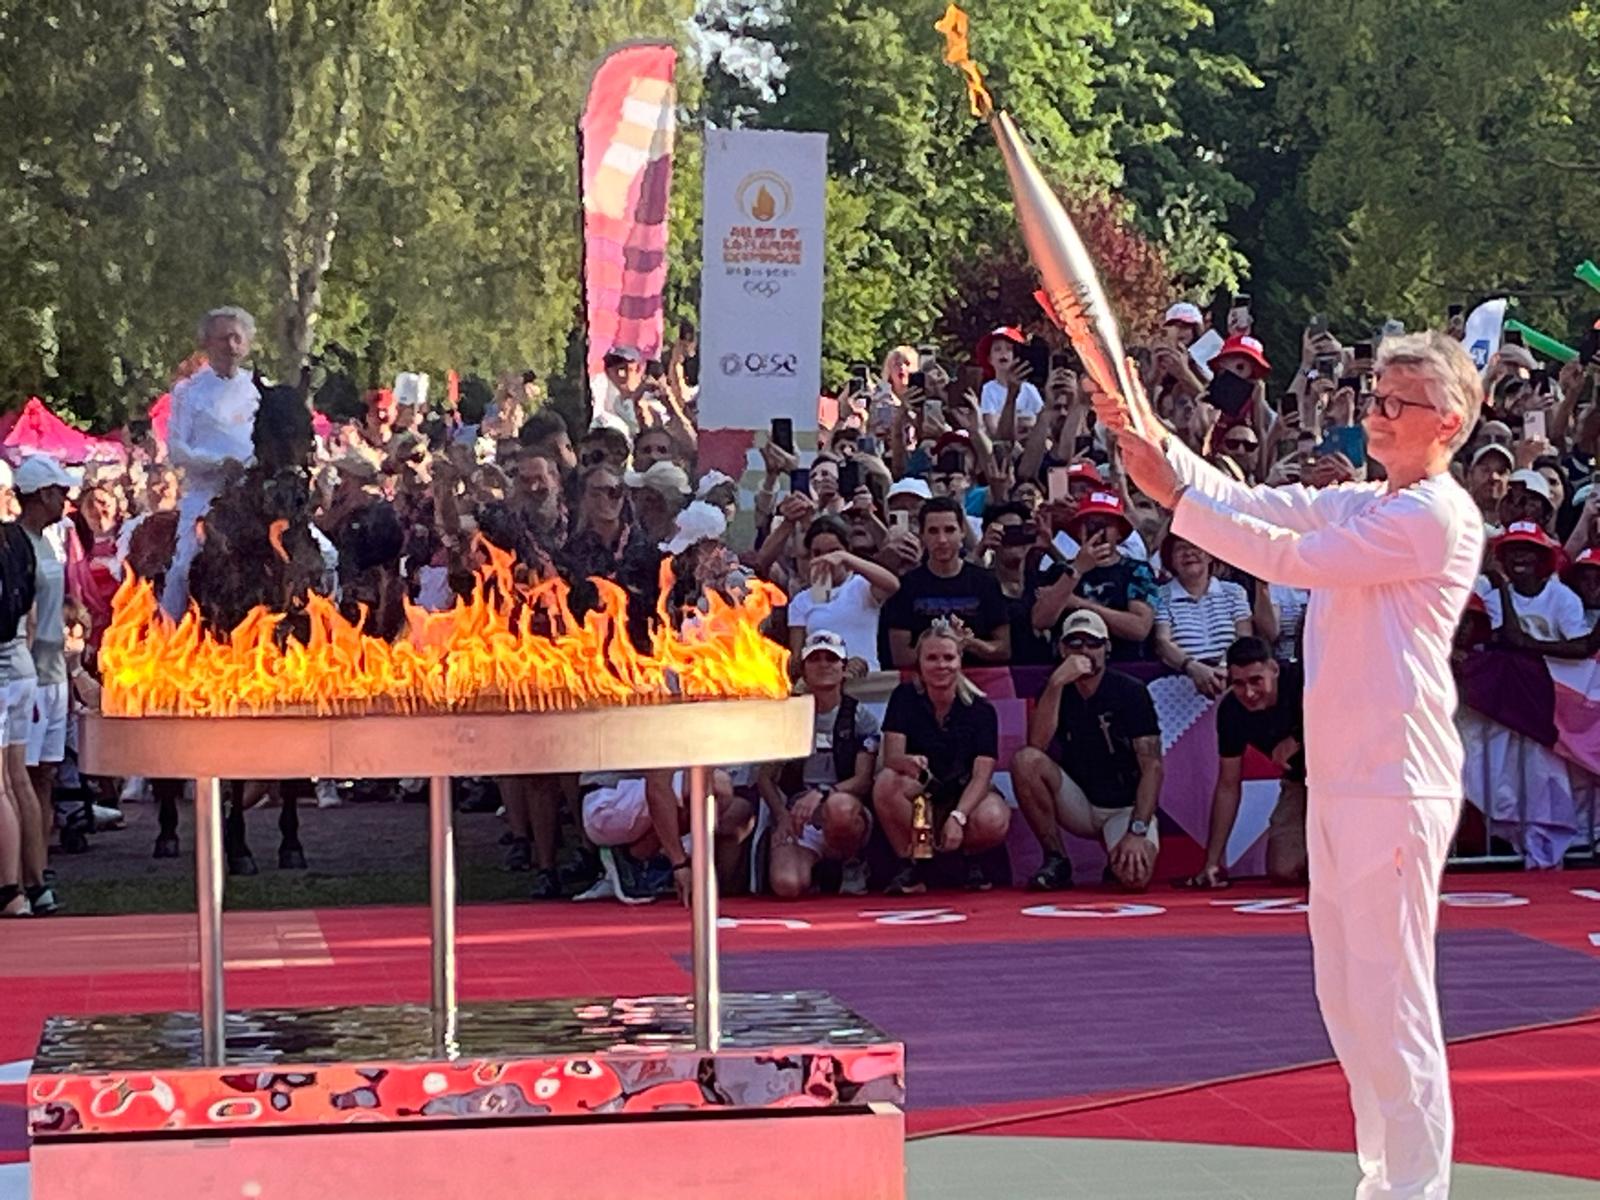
x=208 y=905
x=442 y=901
x=703 y=872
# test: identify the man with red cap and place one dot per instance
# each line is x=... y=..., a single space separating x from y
x=1004 y=373
x=1547 y=610
x=1101 y=579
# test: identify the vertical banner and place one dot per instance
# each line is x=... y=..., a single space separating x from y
x=627 y=133
x=761 y=291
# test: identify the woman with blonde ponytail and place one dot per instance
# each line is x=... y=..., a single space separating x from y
x=940 y=742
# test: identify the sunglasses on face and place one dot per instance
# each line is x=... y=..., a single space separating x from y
x=1082 y=642
x=1239 y=444
x=592 y=457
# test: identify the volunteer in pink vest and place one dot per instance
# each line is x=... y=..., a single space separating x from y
x=1390 y=566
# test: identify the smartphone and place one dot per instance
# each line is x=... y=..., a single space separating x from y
x=867 y=444
x=1318 y=324
x=859 y=372
x=1348 y=440
x=1533 y=425
x=1060 y=483
x=1326 y=366
x=1513 y=337
x=1353 y=382
x=1241 y=299
x=1589 y=344
x=919 y=380
x=934 y=409
x=1540 y=379
x=928 y=355
x=1018 y=535
x=800 y=480
x=899 y=520
x=1362 y=352
x=1454 y=311
x=654 y=369
x=850 y=476
x=951 y=462
x=782 y=433
x=1063 y=360
x=972 y=380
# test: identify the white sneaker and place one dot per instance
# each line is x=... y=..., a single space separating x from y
x=328 y=794
x=108 y=818
x=136 y=790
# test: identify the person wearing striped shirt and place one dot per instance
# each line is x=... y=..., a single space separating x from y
x=1198 y=616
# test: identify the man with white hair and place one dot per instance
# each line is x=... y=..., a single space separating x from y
x=1390 y=566
x=213 y=417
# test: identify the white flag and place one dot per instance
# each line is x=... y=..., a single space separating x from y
x=1482 y=338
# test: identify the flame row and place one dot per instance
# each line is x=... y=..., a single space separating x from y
x=489 y=653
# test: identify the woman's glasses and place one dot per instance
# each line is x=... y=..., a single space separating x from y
x=602 y=491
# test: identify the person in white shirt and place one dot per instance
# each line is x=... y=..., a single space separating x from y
x=1391 y=566
x=213 y=418
x=998 y=350
x=845 y=596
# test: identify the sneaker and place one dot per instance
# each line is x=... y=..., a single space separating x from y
x=600 y=889
x=907 y=881
x=136 y=790
x=328 y=794
x=853 y=878
x=108 y=818
x=977 y=880
x=647 y=880
x=520 y=855
x=1055 y=875
x=545 y=885
x=610 y=886
x=167 y=846
x=43 y=901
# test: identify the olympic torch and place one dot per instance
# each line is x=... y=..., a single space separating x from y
x=1071 y=291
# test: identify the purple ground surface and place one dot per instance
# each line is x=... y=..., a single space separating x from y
x=995 y=1022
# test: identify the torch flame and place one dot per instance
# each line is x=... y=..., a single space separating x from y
x=954 y=27
x=510 y=646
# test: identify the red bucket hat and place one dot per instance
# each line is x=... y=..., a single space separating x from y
x=1249 y=347
x=1529 y=533
x=1010 y=333
x=1100 y=504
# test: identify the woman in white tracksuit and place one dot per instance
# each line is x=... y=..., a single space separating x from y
x=1390 y=566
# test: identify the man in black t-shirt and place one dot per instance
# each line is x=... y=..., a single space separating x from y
x=946 y=586
x=1264 y=708
x=1106 y=778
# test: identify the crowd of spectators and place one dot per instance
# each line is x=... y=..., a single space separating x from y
x=963 y=511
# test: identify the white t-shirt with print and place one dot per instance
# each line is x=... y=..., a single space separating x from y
x=851 y=612
x=1554 y=615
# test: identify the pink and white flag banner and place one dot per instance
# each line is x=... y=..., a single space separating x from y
x=628 y=126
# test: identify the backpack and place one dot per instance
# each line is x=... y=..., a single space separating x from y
x=17 y=579
x=845 y=747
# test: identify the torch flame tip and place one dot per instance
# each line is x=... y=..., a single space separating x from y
x=954 y=26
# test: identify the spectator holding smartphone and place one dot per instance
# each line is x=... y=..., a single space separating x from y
x=1008 y=387
x=1101 y=579
x=845 y=596
x=940 y=742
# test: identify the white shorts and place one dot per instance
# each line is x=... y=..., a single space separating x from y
x=620 y=815
x=47 y=736
x=17 y=697
x=1087 y=820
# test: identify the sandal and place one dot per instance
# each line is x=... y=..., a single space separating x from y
x=1211 y=879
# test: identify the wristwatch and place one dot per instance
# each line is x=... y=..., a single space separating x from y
x=1139 y=828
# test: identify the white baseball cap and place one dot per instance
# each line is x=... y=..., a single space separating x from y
x=1535 y=483
x=1184 y=313
x=5 y=474
x=824 y=641
x=40 y=471
x=910 y=487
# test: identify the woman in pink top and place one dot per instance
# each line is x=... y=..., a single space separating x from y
x=94 y=568
x=1390 y=566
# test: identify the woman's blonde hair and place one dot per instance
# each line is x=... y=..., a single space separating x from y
x=909 y=353
x=966 y=690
